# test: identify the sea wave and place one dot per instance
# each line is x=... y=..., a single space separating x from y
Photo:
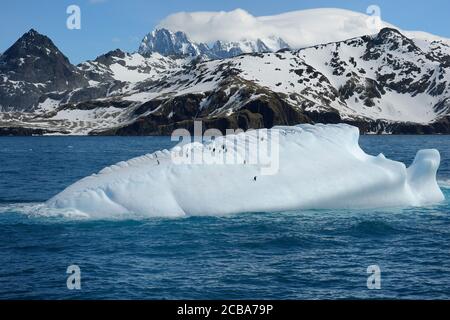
x=444 y=183
x=39 y=209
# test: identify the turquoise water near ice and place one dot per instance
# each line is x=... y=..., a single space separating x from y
x=313 y=254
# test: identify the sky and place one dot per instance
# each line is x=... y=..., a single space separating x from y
x=111 y=24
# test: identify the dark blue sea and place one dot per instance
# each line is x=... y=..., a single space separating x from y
x=317 y=254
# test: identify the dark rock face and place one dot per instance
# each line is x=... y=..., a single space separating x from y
x=388 y=39
x=264 y=112
x=34 y=65
x=91 y=71
x=21 y=131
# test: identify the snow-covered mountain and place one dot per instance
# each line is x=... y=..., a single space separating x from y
x=170 y=43
x=125 y=67
x=222 y=49
x=382 y=83
x=385 y=77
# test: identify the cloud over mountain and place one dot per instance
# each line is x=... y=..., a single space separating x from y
x=298 y=28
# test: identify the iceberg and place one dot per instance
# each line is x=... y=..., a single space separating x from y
x=319 y=167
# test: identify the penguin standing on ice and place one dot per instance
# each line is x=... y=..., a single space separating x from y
x=254 y=179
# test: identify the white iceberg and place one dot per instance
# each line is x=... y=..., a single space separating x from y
x=320 y=167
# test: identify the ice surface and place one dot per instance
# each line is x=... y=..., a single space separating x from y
x=320 y=166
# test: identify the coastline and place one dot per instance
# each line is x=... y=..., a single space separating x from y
x=378 y=127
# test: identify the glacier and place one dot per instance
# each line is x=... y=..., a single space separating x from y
x=320 y=167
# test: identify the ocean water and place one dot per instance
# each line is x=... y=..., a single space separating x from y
x=314 y=254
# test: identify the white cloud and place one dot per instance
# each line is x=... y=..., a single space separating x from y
x=298 y=28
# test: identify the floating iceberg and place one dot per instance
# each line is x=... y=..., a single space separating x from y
x=320 y=167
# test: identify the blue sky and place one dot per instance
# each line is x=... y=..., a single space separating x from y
x=110 y=24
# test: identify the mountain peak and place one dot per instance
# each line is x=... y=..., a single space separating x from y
x=33 y=36
x=169 y=43
x=109 y=57
x=390 y=33
x=34 y=58
x=32 y=32
x=394 y=39
x=114 y=53
x=31 y=43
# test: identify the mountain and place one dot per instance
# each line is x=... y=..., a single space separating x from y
x=382 y=83
x=222 y=49
x=127 y=67
x=170 y=43
x=386 y=77
x=32 y=66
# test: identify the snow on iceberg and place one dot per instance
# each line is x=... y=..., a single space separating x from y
x=320 y=167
